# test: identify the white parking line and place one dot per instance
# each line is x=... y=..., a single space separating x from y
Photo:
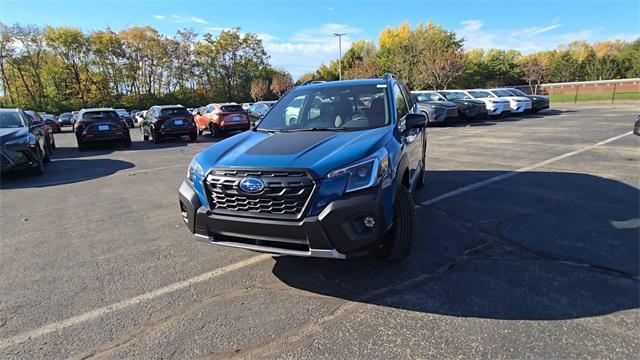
x=93 y=314
x=513 y=173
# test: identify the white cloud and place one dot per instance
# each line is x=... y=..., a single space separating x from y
x=182 y=19
x=216 y=29
x=198 y=20
x=266 y=37
x=307 y=49
x=528 y=39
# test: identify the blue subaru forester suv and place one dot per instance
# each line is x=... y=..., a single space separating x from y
x=327 y=172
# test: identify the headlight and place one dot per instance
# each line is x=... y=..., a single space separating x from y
x=365 y=173
x=194 y=170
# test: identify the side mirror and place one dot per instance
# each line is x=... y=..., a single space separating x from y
x=414 y=121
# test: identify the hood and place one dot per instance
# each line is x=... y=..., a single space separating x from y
x=446 y=104
x=468 y=101
x=516 y=98
x=319 y=151
x=10 y=134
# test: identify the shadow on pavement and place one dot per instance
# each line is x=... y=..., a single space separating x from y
x=539 y=246
x=62 y=172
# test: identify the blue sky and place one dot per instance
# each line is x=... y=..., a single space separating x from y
x=297 y=34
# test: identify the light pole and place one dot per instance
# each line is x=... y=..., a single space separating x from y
x=339 y=36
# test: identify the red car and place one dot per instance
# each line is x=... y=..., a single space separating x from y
x=219 y=119
x=52 y=122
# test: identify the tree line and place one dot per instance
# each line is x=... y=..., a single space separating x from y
x=432 y=57
x=59 y=69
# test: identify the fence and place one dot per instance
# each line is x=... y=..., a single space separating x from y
x=600 y=90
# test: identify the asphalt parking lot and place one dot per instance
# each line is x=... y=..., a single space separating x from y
x=528 y=247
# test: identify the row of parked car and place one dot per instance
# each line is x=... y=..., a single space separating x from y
x=161 y=122
x=450 y=105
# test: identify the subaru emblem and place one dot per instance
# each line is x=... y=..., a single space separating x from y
x=251 y=185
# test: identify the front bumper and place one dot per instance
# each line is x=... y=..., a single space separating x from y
x=17 y=157
x=337 y=232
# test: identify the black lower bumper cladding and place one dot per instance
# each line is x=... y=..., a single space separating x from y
x=337 y=232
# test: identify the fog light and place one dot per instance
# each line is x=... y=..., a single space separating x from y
x=369 y=222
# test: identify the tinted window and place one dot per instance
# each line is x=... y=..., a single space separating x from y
x=65 y=116
x=335 y=107
x=401 y=105
x=502 y=93
x=100 y=115
x=231 y=108
x=517 y=92
x=480 y=94
x=176 y=111
x=428 y=97
x=10 y=119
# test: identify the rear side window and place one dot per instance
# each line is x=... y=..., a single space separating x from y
x=231 y=108
x=177 y=111
x=401 y=104
x=100 y=115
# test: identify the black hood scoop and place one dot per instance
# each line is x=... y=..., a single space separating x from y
x=289 y=143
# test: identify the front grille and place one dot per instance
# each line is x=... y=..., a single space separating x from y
x=285 y=196
x=453 y=112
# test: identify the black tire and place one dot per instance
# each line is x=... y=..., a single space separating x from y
x=127 y=142
x=420 y=183
x=39 y=169
x=46 y=153
x=81 y=145
x=399 y=239
x=214 y=130
x=427 y=116
x=145 y=137
x=157 y=138
x=200 y=132
x=193 y=136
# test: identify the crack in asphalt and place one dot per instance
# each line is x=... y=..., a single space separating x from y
x=499 y=237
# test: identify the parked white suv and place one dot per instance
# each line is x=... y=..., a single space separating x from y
x=518 y=104
x=494 y=105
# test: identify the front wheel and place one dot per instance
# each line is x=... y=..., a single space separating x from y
x=399 y=239
x=193 y=136
x=214 y=130
x=157 y=138
x=127 y=142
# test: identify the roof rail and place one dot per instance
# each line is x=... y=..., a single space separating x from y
x=389 y=75
x=312 y=82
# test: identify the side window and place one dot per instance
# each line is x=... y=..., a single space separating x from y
x=408 y=97
x=209 y=109
x=401 y=104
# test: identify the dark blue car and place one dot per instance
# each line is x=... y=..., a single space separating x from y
x=328 y=172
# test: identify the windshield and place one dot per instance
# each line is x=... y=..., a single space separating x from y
x=456 y=95
x=65 y=116
x=517 y=92
x=100 y=115
x=10 y=119
x=334 y=108
x=428 y=96
x=176 y=111
x=480 y=94
x=122 y=112
x=502 y=93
